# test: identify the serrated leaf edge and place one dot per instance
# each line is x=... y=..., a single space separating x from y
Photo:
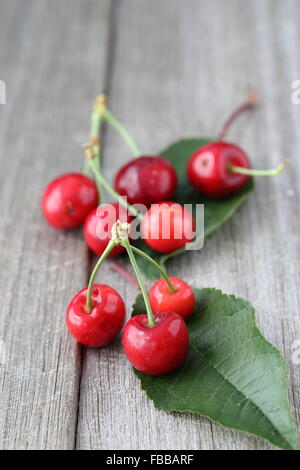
x=276 y=350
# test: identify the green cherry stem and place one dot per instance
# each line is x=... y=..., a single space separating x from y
x=107 y=115
x=125 y=243
x=249 y=171
x=94 y=136
x=111 y=119
x=102 y=182
x=95 y=142
x=172 y=288
x=108 y=249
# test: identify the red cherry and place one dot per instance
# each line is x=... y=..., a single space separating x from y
x=182 y=301
x=168 y=226
x=146 y=180
x=157 y=350
x=208 y=171
x=68 y=199
x=98 y=225
x=103 y=323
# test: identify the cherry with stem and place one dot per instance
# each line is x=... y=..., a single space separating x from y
x=156 y=343
x=169 y=294
x=250 y=103
x=109 y=248
x=221 y=168
x=155 y=177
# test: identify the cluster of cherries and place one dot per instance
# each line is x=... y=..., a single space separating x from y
x=155 y=343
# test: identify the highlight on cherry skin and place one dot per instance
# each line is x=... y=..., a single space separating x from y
x=159 y=349
x=208 y=169
x=168 y=226
x=180 y=300
x=146 y=180
x=98 y=225
x=105 y=320
x=68 y=199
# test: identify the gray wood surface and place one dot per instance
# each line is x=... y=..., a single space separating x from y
x=171 y=69
x=53 y=59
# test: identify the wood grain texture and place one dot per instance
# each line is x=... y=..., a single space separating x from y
x=53 y=60
x=171 y=69
x=178 y=69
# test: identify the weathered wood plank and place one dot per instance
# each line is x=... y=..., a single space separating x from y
x=163 y=85
x=53 y=57
x=178 y=68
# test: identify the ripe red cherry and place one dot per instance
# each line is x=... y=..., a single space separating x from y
x=68 y=199
x=167 y=227
x=98 y=225
x=157 y=350
x=182 y=301
x=146 y=180
x=208 y=169
x=105 y=320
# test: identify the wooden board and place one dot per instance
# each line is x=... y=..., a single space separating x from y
x=53 y=60
x=171 y=69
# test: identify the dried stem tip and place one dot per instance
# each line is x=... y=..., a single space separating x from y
x=120 y=231
x=252 y=98
x=100 y=103
x=89 y=152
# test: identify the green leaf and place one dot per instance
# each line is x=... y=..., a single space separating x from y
x=232 y=375
x=216 y=212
